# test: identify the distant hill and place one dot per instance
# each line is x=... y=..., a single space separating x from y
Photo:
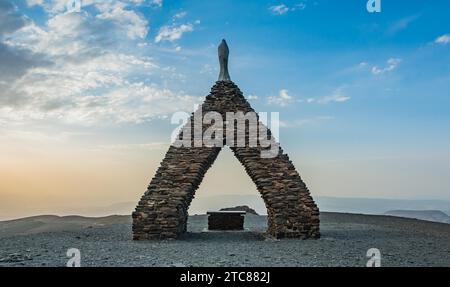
x=378 y=205
x=329 y=204
x=427 y=215
x=202 y=204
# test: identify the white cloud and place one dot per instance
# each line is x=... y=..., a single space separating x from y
x=54 y=7
x=47 y=6
x=134 y=25
x=282 y=9
x=157 y=3
x=73 y=99
x=172 y=33
x=35 y=2
x=391 y=65
x=337 y=96
x=362 y=65
x=252 y=97
x=93 y=91
x=283 y=99
x=77 y=34
x=401 y=24
x=279 y=9
x=300 y=6
x=444 y=39
x=94 y=72
x=180 y=15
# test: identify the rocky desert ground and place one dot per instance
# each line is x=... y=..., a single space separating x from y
x=44 y=241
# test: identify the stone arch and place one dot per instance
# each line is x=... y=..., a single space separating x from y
x=162 y=212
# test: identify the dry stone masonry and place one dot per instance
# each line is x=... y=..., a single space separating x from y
x=162 y=212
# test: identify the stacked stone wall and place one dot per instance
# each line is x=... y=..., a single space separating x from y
x=162 y=212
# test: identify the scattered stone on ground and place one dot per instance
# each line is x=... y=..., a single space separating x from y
x=346 y=238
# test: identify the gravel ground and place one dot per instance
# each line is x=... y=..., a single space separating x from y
x=345 y=241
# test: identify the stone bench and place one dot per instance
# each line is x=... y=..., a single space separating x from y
x=226 y=220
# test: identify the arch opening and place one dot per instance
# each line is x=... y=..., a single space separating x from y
x=226 y=184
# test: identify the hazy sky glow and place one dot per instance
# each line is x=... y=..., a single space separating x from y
x=86 y=98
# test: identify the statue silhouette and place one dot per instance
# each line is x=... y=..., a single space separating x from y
x=223 y=60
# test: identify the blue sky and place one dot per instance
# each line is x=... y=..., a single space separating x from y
x=363 y=97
